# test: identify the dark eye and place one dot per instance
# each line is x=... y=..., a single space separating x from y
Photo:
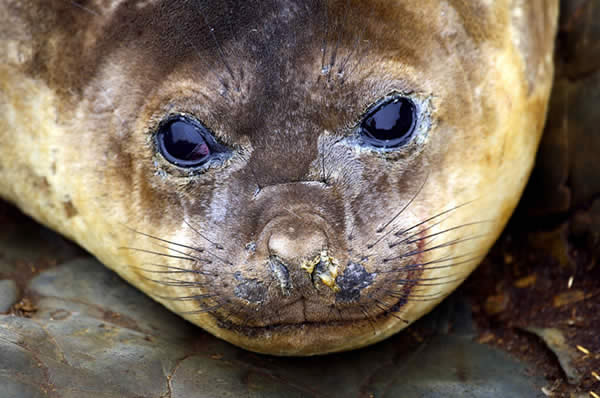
x=390 y=124
x=184 y=143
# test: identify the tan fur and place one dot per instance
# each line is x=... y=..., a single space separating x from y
x=82 y=90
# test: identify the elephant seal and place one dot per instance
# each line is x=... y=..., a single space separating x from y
x=296 y=177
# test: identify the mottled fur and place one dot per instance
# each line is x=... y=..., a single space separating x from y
x=84 y=85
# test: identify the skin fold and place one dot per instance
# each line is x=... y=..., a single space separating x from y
x=303 y=240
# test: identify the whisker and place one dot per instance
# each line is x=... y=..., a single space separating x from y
x=368 y=317
x=447 y=244
x=229 y=20
x=411 y=298
x=202 y=311
x=402 y=295
x=409 y=239
x=333 y=58
x=380 y=230
x=158 y=253
x=84 y=8
x=176 y=283
x=346 y=59
x=172 y=270
x=199 y=259
x=424 y=266
x=181 y=31
x=448 y=230
x=161 y=272
x=361 y=53
x=218 y=246
x=469 y=260
x=186 y=298
x=423 y=296
x=199 y=250
x=419 y=283
x=394 y=244
x=436 y=278
x=230 y=314
x=433 y=217
x=388 y=310
x=258 y=186
x=217 y=43
x=178 y=270
x=324 y=42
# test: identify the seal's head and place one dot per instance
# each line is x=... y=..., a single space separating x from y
x=296 y=177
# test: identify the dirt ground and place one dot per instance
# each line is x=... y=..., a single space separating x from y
x=539 y=288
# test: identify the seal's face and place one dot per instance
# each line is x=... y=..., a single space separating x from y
x=295 y=177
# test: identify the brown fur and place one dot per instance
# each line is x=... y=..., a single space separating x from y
x=84 y=86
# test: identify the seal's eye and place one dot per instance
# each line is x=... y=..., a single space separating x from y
x=389 y=124
x=184 y=143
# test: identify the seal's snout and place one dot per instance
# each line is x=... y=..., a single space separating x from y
x=301 y=248
x=294 y=245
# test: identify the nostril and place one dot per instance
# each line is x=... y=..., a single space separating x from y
x=293 y=244
x=282 y=275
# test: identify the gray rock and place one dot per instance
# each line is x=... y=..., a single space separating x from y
x=93 y=335
x=8 y=294
x=556 y=341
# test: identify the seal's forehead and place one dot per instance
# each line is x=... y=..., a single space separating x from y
x=167 y=33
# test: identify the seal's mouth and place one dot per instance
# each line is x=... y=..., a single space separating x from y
x=301 y=283
x=306 y=281
x=369 y=313
x=254 y=331
x=310 y=337
x=319 y=292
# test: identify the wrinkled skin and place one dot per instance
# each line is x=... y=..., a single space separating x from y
x=304 y=240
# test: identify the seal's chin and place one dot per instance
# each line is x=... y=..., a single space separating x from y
x=305 y=312
x=305 y=327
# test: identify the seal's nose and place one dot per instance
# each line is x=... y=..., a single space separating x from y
x=294 y=245
x=301 y=251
